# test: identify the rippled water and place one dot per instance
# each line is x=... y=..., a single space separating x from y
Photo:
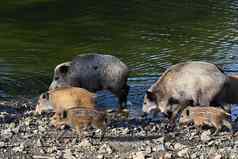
x=148 y=35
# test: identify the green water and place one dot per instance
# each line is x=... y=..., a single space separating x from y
x=148 y=35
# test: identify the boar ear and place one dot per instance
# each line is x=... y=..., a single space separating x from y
x=64 y=114
x=64 y=69
x=45 y=96
x=151 y=96
x=187 y=112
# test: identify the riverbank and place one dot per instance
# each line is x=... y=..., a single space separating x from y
x=25 y=135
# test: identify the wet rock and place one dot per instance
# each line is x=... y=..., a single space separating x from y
x=206 y=136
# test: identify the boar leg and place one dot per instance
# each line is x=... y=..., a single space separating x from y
x=218 y=126
x=179 y=108
x=228 y=125
x=102 y=134
x=122 y=96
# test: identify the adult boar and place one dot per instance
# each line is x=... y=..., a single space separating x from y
x=190 y=83
x=94 y=72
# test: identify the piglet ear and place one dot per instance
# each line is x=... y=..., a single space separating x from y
x=151 y=96
x=187 y=112
x=64 y=114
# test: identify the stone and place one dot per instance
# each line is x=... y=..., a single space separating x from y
x=6 y=133
x=68 y=154
x=183 y=152
x=125 y=131
x=39 y=143
x=159 y=147
x=160 y=140
x=166 y=155
x=215 y=156
x=178 y=146
x=206 y=136
x=100 y=156
x=139 y=155
x=148 y=149
x=19 y=148
x=2 y=144
x=85 y=143
x=105 y=148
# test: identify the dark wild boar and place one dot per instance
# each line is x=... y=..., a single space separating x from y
x=94 y=72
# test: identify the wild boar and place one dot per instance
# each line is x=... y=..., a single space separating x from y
x=94 y=72
x=80 y=118
x=65 y=98
x=191 y=83
x=210 y=116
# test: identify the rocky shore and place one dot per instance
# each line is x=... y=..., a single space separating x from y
x=26 y=135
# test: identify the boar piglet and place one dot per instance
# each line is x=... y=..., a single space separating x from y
x=211 y=116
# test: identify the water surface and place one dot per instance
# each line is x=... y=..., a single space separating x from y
x=148 y=35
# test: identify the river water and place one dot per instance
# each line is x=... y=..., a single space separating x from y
x=148 y=35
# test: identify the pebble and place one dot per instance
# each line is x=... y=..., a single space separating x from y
x=178 y=146
x=68 y=154
x=139 y=155
x=148 y=149
x=2 y=144
x=19 y=148
x=167 y=155
x=105 y=148
x=100 y=156
x=206 y=136
x=183 y=152
x=85 y=143
x=215 y=156
x=159 y=147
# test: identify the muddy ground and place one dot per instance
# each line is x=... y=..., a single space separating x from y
x=26 y=135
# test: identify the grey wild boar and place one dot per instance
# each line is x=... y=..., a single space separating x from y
x=94 y=72
x=65 y=98
x=211 y=116
x=190 y=83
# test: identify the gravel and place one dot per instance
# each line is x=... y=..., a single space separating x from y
x=26 y=135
